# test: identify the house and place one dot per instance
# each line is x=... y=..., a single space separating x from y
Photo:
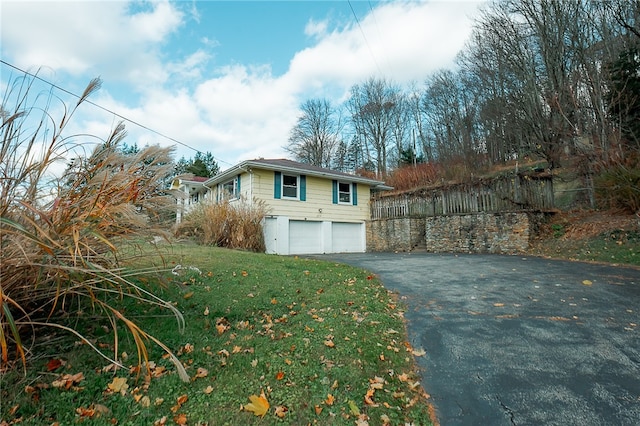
x=189 y=190
x=310 y=209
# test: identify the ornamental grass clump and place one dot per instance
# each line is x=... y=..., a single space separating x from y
x=60 y=231
x=235 y=225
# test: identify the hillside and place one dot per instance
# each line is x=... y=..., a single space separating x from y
x=599 y=236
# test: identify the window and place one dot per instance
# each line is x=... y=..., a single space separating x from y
x=344 y=193
x=289 y=186
x=230 y=190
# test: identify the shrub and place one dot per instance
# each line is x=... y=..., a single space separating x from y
x=235 y=225
x=410 y=177
x=59 y=236
x=618 y=186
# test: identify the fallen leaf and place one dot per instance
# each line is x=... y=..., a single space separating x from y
x=206 y=311
x=419 y=352
x=66 y=381
x=587 y=282
x=498 y=305
x=118 y=385
x=188 y=295
x=280 y=375
x=208 y=389
x=222 y=325
x=362 y=420
x=318 y=409
x=180 y=419
x=258 y=405
x=330 y=399
x=329 y=343
x=254 y=363
x=353 y=408
x=281 y=411
x=245 y=273
x=54 y=364
x=202 y=372
x=145 y=401
x=85 y=412
x=368 y=397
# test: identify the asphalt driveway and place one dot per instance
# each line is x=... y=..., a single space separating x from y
x=514 y=340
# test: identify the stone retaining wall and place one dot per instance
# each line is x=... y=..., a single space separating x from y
x=470 y=233
x=402 y=234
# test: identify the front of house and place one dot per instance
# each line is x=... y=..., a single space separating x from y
x=311 y=210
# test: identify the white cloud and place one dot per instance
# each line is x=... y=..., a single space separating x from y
x=316 y=28
x=95 y=37
x=400 y=41
x=236 y=111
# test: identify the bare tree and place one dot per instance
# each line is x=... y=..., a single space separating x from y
x=372 y=106
x=316 y=134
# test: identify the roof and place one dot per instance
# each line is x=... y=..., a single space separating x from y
x=188 y=179
x=284 y=165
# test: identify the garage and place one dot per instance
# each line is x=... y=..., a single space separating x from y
x=285 y=236
x=305 y=237
x=347 y=237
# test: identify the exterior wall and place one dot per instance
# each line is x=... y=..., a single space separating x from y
x=473 y=233
x=318 y=205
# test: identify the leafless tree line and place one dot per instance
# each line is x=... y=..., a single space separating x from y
x=549 y=79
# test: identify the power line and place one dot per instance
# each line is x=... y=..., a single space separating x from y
x=375 y=20
x=37 y=77
x=364 y=37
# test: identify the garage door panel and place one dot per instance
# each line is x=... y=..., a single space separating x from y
x=347 y=237
x=305 y=237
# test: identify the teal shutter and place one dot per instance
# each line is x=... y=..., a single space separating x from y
x=354 y=193
x=238 y=189
x=303 y=188
x=277 y=185
x=335 y=191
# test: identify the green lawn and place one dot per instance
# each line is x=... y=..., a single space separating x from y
x=324 y=343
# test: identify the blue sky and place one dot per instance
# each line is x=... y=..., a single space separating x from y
x=226 y=77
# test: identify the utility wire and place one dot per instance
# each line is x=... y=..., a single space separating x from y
x=106 y=109
x=364 y=37
x=385 y=58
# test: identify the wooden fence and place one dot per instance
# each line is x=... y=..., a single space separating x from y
x=516 y=193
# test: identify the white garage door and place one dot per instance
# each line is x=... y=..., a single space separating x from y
x=347 y=237
x=305 y=237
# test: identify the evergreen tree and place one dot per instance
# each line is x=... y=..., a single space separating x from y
x=624 y=97
x=202 y=165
